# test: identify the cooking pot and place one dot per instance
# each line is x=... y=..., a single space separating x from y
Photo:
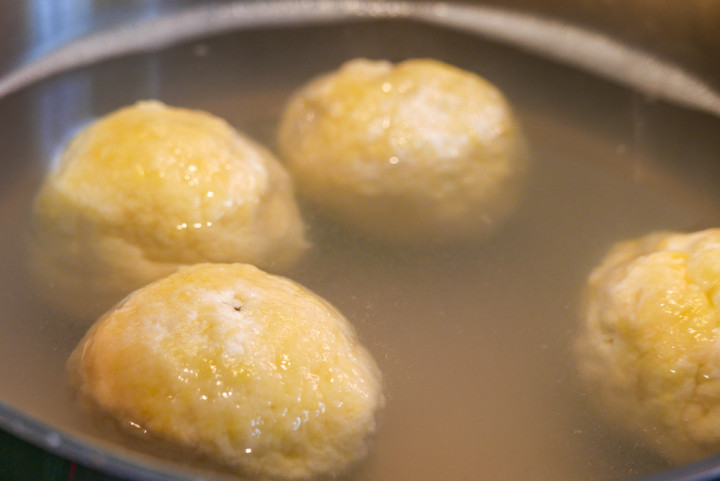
x=620 y=103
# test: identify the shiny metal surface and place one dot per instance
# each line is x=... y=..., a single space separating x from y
x=635 y=134
x=684 y=32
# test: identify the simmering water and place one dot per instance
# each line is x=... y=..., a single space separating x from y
x=474 y=341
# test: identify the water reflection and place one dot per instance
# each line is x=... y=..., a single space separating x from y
x=53 y=22
x=61 y=109
x=66 y=103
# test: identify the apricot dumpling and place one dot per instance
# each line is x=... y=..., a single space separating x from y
x=249 y=368
x=649 y=349
x=420 y=151
x=148 y=188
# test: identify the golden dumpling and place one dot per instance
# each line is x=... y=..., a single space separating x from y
x=249 y=368
x=148 y=188
x=649 y=349
x=420 y=151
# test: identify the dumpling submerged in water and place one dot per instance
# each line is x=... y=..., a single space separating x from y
x=148 y=188
x=249 y=368
x=419 y=152
x=649 y=349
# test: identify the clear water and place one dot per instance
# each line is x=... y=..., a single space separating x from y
x=473 y=341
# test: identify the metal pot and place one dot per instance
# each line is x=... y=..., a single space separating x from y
x=621 y=105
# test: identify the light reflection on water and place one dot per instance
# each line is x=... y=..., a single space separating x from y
x=67 y=103
x=69 y=100
x=52 y=22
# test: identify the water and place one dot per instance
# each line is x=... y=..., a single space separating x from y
x=474 y=341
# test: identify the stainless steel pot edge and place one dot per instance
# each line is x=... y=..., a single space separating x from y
x=588 y=50
x=66 y=446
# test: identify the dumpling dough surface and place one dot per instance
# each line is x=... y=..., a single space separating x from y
x=148 y=188
x=650 y=345
x=249 y=368
x=418 y=151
